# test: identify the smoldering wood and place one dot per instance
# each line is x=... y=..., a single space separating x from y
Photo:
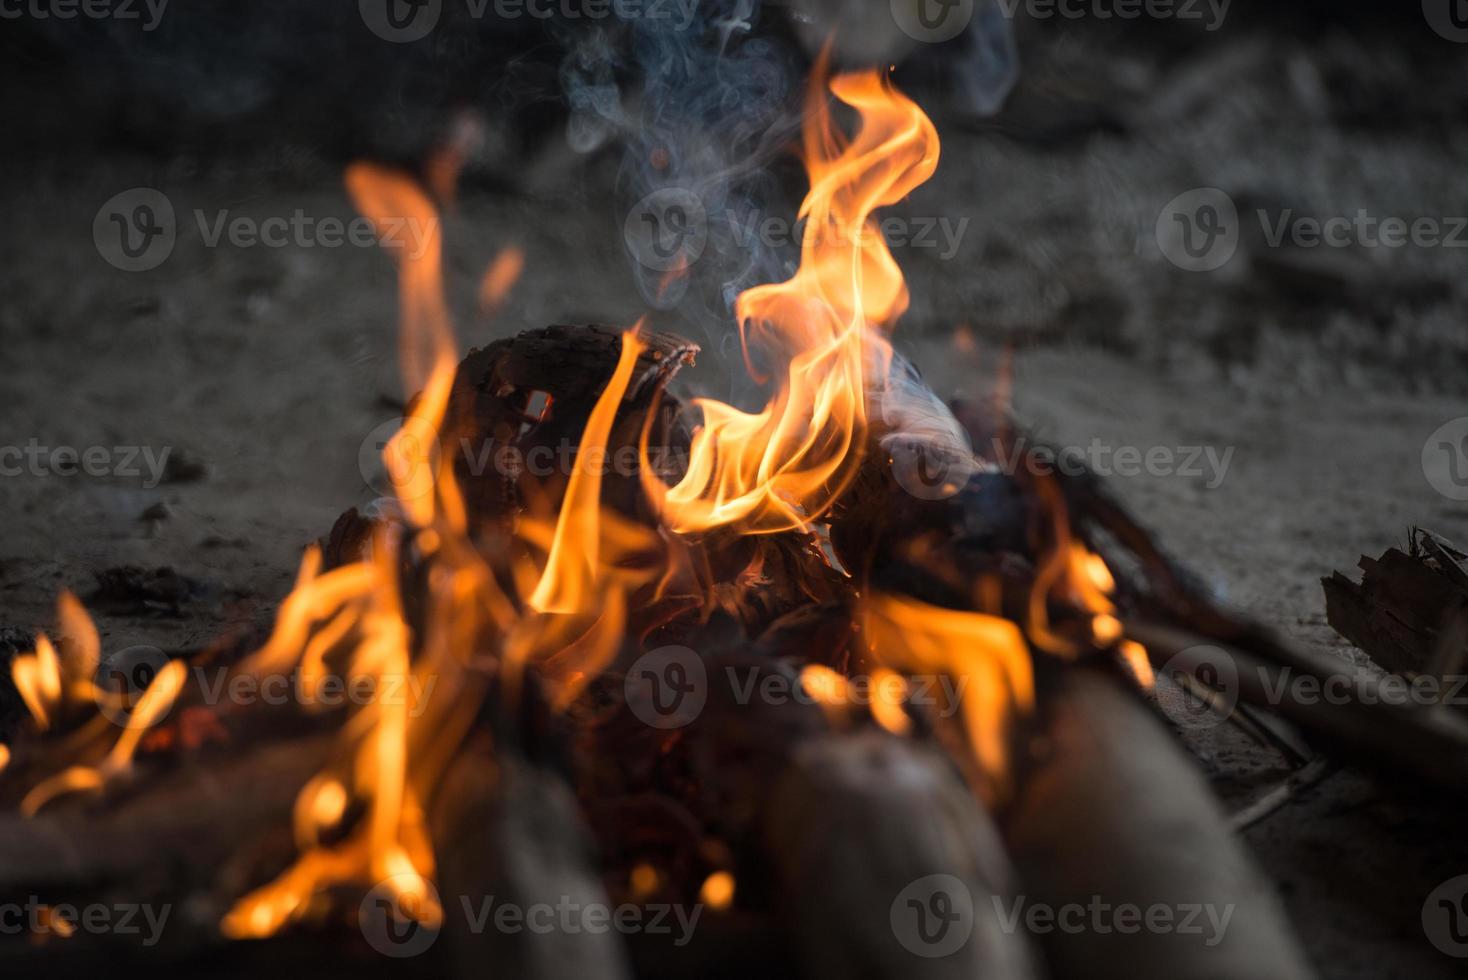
x=855 y=823
x=1115 y=812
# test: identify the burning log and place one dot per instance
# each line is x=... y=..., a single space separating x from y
x=528 y=398
x=195 y=817
x=179 y=846
x=511 y=837
x=1114 y=816
x=872 y=834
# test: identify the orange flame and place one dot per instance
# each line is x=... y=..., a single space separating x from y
x=566 y=585
x=989 y=652
x=501 y=275
x=350 y=619
x=783 y=467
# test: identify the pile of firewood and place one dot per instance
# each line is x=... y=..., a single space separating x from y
x=825 y=821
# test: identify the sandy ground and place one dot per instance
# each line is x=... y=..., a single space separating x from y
x=271 y=367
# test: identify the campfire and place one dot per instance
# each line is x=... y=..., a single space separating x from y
x=824 y=677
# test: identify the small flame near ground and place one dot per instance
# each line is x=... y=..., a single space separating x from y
x=778 y=469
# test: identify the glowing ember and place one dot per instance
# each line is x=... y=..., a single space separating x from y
x=717 y=891
x=1135 y=657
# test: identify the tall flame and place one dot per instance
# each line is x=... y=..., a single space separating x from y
x=783 y=467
